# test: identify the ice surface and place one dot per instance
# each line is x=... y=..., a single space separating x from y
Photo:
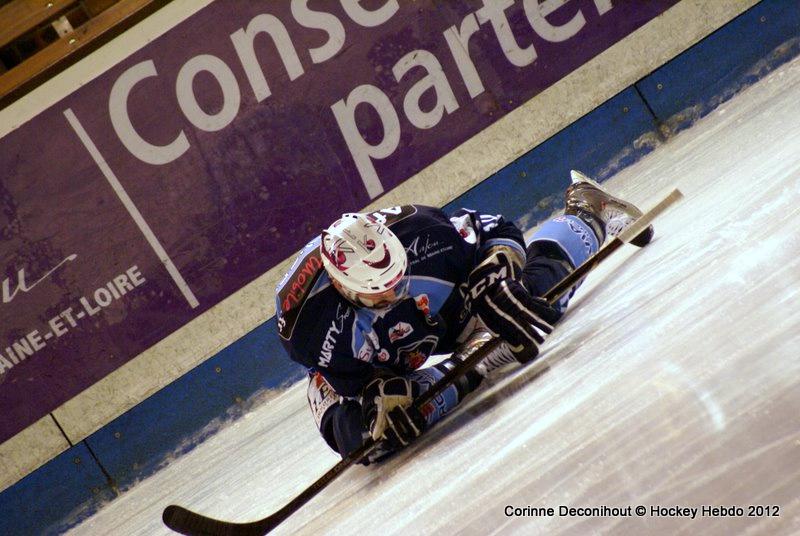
x=674 y=380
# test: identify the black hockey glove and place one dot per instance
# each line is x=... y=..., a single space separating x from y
x=387 y=411
x=501 y=263
x=511 y=313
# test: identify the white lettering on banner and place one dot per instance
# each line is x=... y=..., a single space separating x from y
x=554 y=34
x=362 y=151
x=231 y=97
x=121 y=121
x=457 y=39
x=434 y=79
x=603 y=6
x=458 y=43
x=319 y=20
x=366 y=18
x=22 y=285
x=493 y=12
x=244 y=43
x=61 y=324
x=518 y=50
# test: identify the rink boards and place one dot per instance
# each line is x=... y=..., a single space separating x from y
x=599 y=143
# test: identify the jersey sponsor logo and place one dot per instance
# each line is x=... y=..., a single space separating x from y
x=298 y=285
x=423 y=304
x=336 y=328
x=422 y=249
x=321 y=396
x=365 y=353
x=294 y=289
x=399 y=331
x=415 y=354
x=463 y=225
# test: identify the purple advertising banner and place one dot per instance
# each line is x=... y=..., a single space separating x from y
x=216 y=151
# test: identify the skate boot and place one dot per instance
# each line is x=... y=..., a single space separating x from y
x=497 y=358
x=604 y=213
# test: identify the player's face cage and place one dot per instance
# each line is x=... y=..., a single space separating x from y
x=386 y=299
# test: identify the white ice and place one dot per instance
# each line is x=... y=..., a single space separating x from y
x=674 y=380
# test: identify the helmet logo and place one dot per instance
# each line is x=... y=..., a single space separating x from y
x=337 y=252
x=384 y=262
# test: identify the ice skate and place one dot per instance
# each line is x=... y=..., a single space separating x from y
x=608 y=215
x=498 y=358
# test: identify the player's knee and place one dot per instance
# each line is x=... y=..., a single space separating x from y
x=565 y=238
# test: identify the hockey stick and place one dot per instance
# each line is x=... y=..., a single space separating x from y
x=190 y=523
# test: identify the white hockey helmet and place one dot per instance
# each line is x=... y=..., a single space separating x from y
x=365 y=260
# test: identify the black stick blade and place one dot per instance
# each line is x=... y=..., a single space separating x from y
x=190 y=523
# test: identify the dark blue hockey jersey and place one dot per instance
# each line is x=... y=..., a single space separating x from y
x=323 y=331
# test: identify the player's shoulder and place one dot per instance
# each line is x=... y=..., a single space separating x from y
x=404 y=216
x=310 y=328
x=413 y=219
x=306 y=278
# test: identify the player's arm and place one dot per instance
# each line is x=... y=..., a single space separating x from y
x=495 y=292
x=337 y=418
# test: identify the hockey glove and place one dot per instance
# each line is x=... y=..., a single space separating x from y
x=501 y=263
x=387 y=411
x=522 y=320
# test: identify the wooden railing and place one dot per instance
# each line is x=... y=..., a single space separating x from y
x=20 y=16
x=47 y=27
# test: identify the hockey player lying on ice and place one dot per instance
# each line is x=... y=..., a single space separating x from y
x=369 y=300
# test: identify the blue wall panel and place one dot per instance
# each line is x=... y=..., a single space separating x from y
x=69 y=486
x=532 y=187
x=714 y=69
